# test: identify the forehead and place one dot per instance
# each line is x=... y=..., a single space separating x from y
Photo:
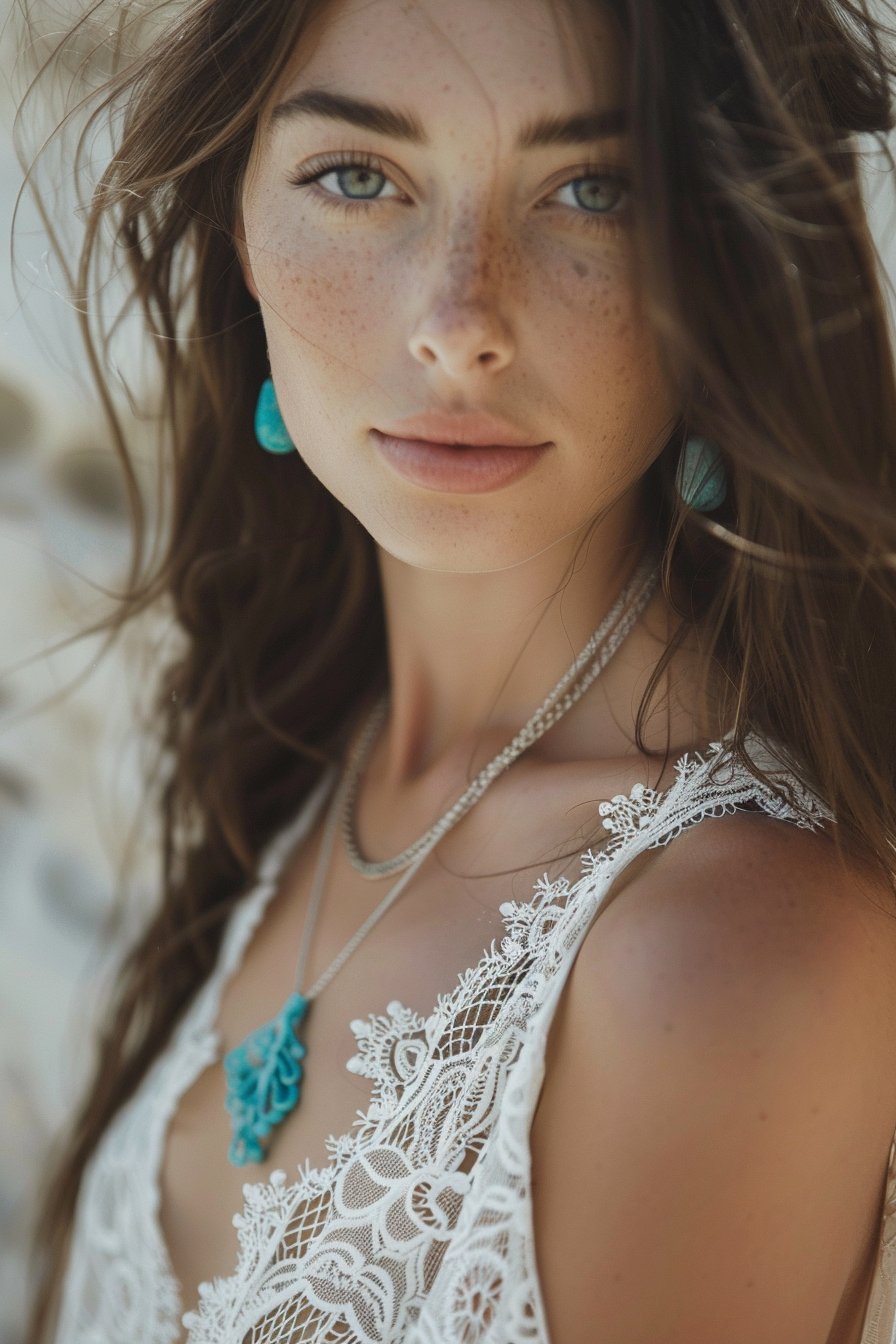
x=498 y=59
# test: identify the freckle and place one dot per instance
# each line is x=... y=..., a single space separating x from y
x=580 y=268
x=755 y=1054
x=816 y=1110
x=749 y=1283
x=763 y=1115
x=617 y=1278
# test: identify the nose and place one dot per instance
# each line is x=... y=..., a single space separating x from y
x=463 y=332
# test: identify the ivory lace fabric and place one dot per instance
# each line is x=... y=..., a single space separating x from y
x=419 y=1231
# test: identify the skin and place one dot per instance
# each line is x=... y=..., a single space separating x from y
x=721 y=1062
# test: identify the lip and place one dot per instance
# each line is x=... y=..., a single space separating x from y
x=473 y=429
x=470 y=452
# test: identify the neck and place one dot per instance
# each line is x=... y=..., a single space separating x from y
x=470 y=652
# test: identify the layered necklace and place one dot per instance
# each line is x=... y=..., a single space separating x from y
x=264 y=1074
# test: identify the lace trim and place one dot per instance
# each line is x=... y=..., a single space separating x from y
x=119 y=1285
x=420 y=1228
x=488 y=1290
x=717 y=773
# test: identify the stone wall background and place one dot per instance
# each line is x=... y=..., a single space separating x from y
x=75 y=827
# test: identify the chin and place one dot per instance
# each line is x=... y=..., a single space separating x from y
x=448 y=535
x=453 y=533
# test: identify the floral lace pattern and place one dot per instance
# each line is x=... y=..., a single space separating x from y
x=419 y=1231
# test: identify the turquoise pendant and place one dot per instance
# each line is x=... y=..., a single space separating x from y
x=264 y=1081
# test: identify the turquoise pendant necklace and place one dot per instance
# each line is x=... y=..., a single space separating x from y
x=264 y=1081
x=264 y=1074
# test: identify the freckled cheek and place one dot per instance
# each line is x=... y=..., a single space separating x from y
x=593 y=331
x=334 y=299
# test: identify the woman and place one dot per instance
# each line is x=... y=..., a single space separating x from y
x=580 y=379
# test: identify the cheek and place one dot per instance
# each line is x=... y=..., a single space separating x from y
x=596 y=349
x=325 y=299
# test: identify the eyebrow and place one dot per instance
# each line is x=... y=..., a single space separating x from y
x=339 y=107
x=579 y=129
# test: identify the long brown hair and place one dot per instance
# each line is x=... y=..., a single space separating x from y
x=762 y=281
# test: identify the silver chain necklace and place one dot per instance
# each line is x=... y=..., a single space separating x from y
x=264 y=1073
x=626 y=611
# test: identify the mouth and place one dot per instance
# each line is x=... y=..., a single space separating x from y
x=466 y=453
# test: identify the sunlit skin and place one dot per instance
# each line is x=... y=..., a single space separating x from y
x=463 y=355
x=474 y=282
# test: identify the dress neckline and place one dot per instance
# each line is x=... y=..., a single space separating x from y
x=714 y=784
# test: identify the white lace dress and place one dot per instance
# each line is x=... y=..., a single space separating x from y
x=419 y=1231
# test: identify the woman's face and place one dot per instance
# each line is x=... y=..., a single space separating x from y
x=439 y=231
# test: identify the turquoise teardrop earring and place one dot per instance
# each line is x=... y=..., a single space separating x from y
x=270 y=430
x=701 y=478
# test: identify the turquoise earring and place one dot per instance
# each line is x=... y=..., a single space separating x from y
x=270 y=431
x=701 y=478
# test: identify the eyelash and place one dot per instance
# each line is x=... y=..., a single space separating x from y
x=330 y=163
x=341 y=159
x=598 y=172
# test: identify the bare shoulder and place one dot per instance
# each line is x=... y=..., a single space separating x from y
x=737 y=910
x=723 y=1067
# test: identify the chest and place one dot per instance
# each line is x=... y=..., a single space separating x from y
x=446 y=920
x=446 y=923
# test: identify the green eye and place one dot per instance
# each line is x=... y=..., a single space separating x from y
x=348 y=180
x=359 y=183
x=597 y=195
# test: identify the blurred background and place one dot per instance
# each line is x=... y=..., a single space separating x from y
x=76 y=825
x=75 y=829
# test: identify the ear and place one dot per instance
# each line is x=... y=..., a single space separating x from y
x=242 y=252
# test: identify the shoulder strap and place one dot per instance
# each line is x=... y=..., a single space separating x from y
x=713 y=785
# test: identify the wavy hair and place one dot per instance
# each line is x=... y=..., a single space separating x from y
x=763 y=283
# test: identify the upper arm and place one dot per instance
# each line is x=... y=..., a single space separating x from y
x=720 y=1097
